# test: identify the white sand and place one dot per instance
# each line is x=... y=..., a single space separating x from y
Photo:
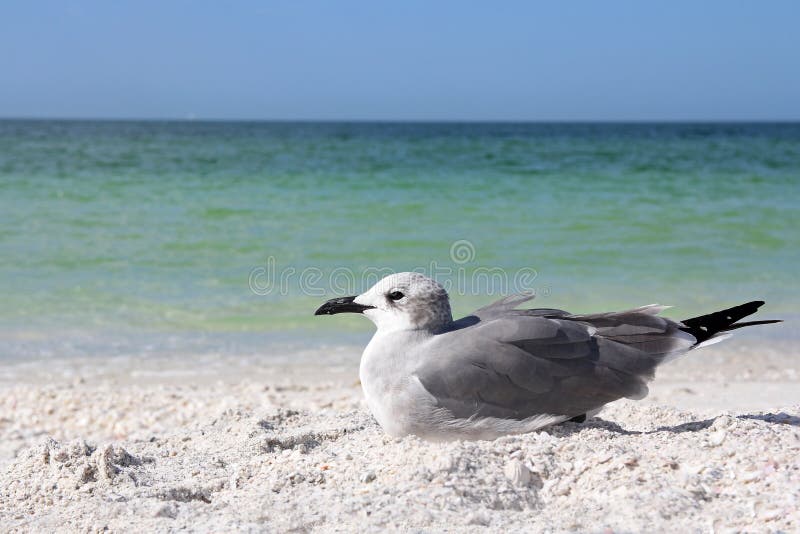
x=234 y=445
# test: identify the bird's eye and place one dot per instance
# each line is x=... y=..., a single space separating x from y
x=395 y=295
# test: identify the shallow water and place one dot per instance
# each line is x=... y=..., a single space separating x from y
x=186 y=230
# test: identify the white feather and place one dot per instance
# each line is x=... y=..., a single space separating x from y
x=714 y=339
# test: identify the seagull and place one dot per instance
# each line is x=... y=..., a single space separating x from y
x=504 y=370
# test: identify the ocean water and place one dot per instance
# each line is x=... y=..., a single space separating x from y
x=174 y=236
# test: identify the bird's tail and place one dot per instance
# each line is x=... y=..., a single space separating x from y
x=714 y=325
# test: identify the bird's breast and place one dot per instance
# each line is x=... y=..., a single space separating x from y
x=392 y=392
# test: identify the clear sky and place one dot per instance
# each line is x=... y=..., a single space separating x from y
x=449 y=60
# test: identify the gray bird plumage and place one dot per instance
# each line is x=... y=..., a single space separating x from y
x=513 y=363
x=502 y=369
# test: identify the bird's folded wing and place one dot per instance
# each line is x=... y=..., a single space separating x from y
x=508 y=304
x=519 y=365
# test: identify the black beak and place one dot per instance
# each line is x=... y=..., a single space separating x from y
x=341 y=305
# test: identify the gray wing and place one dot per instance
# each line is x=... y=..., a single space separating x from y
x=520 y=363
x=507 y=304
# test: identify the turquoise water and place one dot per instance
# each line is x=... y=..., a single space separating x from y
x=158 y=229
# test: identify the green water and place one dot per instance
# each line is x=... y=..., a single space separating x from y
x=159 y=228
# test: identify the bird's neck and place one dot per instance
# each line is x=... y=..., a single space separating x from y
x=388 y=350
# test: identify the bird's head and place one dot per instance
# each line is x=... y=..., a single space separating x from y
x=401 y=301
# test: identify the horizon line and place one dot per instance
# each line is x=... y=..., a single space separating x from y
x=402 y=121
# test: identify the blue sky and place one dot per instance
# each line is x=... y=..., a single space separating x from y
x=412 y=60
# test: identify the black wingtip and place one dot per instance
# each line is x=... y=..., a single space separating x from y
x=706 y=326
x=753 y=323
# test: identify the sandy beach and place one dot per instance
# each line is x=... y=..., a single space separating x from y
x=208 y=210
x=241 y=445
